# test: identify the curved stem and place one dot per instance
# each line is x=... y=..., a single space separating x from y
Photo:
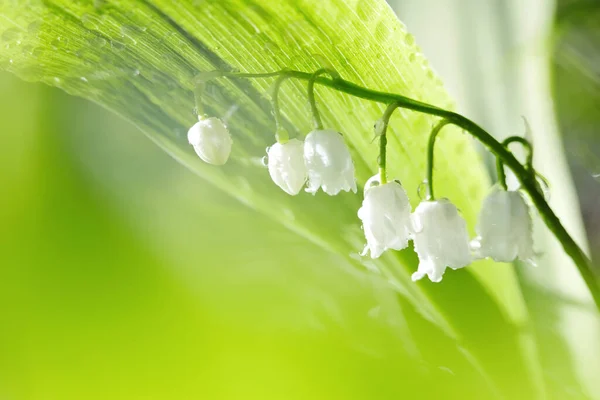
x=528 y=182
x=381 y=130
x=198 y=104
x=317 y=122
x=281 y=134
x=382 y=159
x=430 y=148
x=528 y=163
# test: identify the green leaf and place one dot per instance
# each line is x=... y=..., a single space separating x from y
x=139 y=59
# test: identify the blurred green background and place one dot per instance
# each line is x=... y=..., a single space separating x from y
x=118 y=279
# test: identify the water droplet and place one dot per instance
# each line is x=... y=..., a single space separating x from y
x=372 y=182
x=27 y=50
x=98 y=42
x=83 y=79
x=422 y=190
x=90 y=21
x=264 y=161
x=544 y=185
x=11 y=35
x=475 y=244
x=130 y=32
x=117 y=46
x=59 y=43
x=289 y=214
x=38 y=52
x=379 y=127
x=34 y=27
x=409 y=39
x=417 y=225
x=270 y=46
x=412 y=58
x=531 y=262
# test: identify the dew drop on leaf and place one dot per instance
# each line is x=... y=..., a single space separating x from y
x=11 y=35
x=34 y=27
x=117 y=46
x=90 y=21
x=421 y=190
x=97 y=42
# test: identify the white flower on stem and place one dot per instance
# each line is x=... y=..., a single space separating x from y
x=328 y=162
x=286 y=165
x=385 y=214
x=504 y=229
x=211 y=140
x=441 y=239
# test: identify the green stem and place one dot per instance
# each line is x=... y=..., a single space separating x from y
x=528 y=163
x=198 y=93
x=381 y=131
x=281 y=134
x=430 y=148
x=527 y=180
x=382 y=159
x=317 y=122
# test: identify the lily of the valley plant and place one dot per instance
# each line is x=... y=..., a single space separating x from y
x=322 y=160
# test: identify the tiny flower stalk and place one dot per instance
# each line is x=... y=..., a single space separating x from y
x=385 y=214
x=430 y=152
x=528 y=163
x=326 y=155
x=316 y=115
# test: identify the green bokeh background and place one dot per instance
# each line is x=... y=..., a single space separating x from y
x=119 y=278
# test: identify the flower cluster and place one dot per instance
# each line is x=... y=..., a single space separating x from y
x=322 y=160
x=436 y=227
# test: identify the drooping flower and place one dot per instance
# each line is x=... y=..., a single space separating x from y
x=504 y=229
x=286 y=165
x=211 y=140
x=328 y=162
x=441 y=239
x=385 y=214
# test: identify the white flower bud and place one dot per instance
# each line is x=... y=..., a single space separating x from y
x=385 y=214
x=328 y=162
x=286 y=165
x=504 y=229
x=211 y=140
x=441 y=239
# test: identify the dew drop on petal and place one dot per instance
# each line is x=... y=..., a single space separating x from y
x=264 y=161
x=475 y=244
x=417 y=225
x=421 y=189
x=531 y=262
x=545 y=186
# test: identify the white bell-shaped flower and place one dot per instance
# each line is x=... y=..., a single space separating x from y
x=286 y=165
x=441 y=239
x=385 y=214
x=328 y=162
x=211 y=140
x=504 y=229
